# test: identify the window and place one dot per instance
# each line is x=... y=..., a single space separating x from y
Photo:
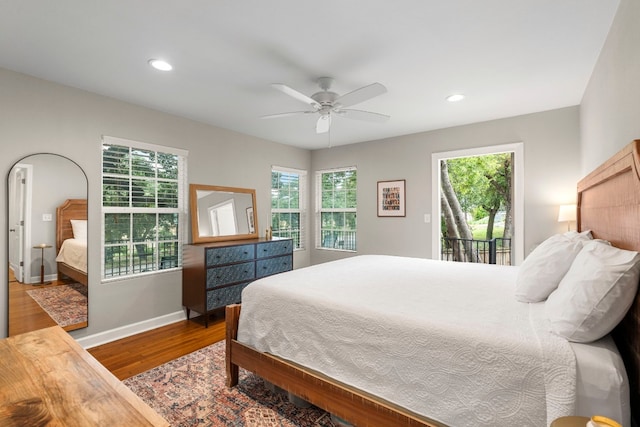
x=336 y=209
x=143 y=191
x=288 y=195
x=517 y=196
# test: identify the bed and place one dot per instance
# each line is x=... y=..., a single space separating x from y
x=72 y=250
x=608 y=205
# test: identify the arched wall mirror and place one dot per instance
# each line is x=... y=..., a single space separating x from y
x=47 y=248
x=222 y=213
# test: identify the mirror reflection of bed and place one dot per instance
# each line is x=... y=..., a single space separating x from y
x=46 y=193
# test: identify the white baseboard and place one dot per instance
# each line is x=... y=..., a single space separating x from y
x=35 y=280
x=128 y=330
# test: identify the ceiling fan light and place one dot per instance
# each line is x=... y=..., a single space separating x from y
x=161 y=65
x=455 y=97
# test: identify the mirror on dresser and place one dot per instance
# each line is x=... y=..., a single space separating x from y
x=46 y=205
x=226 y=254
x=222 y=213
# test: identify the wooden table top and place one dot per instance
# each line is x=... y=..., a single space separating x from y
x=47 y=378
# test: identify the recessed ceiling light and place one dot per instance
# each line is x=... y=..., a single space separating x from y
x=161 y=65
x=455 y=97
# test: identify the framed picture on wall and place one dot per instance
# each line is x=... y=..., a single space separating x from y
x=391 y=198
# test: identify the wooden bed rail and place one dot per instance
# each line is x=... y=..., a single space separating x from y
x=352 y=405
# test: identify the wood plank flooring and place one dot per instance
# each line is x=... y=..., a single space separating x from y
x=25 y=314
x=133 y=355
x=128 y=356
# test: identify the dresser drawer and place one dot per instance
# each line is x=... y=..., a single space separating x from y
x=269 y=266
x=274 y=248
x=217 y=276
x=214 y=273
x=227 y=254
x=224 y=296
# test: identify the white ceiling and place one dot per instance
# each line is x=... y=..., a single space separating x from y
x=509 y=57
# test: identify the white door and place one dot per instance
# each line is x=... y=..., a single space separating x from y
x=17 y=221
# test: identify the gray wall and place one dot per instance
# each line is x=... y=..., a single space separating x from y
x=37 y=116
x=551 y=169
x=610 y=111
x=55 y=179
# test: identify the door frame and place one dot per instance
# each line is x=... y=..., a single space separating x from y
x=20 y=252
x=517 y=148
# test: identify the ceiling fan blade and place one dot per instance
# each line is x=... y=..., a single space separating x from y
x=292 y=113
x=360 y=95
x=323 y=124
x=368 y=116
x=295 y=94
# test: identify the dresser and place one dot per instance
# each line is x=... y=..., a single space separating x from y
x=214 y=274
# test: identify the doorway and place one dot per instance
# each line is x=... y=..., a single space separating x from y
x=517 y=196
x=20 y=209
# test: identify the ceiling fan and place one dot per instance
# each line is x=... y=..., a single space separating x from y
x=327 y=103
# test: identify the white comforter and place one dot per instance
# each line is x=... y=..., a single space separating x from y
x=446 y=340
x=73 y=252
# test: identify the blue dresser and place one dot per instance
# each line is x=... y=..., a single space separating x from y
x=214 y=274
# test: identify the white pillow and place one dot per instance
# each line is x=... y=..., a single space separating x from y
x=546 y=265
x=596 y=292
x=79 y=228
x=583 y=235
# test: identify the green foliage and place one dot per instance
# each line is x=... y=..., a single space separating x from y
x=339 y=190
x=285 y=195
x=478 y=180
x=144 y=180
x=285 y=190
x=480 y=233
x=479 y=212
x=481 y=183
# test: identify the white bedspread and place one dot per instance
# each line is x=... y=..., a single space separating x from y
x=446 y=340
x=73 y=252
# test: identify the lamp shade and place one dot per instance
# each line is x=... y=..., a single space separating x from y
x=567 y=213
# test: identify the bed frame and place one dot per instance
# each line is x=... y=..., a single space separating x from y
x=70 y=209
x=608 y=205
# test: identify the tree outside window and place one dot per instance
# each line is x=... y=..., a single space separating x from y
x=142 y=204
x=287 y=204
x=337 y=205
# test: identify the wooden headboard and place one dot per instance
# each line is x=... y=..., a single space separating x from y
x=609 y=206
x=70 y=209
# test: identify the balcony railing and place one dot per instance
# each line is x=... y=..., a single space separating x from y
x=338 y=239
x=119 y=260
x=290 y=233
x=494 y=251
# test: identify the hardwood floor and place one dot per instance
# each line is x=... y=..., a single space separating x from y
x=128 y=356
x=133 y=355
x=26 y=315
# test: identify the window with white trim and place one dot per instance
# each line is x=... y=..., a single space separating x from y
x=288 y=201
x=336 y=207
x=143 y=207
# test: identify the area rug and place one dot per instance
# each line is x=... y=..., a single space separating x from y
x=191 y=391
x=65 y=304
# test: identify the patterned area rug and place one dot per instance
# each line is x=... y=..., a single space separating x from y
x=65 y=304
x=191 y=391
